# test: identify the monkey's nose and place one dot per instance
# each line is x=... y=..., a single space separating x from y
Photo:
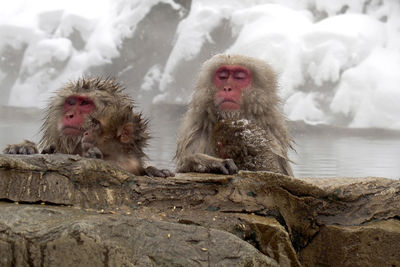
x=227 y=89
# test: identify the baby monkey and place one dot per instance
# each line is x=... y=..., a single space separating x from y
x=119 y=143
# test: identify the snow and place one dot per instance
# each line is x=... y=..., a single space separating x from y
x=370 y=92
x=338 y=61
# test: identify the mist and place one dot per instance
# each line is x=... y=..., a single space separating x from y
x=338 y=64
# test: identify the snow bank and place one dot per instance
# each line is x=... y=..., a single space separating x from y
x=338 y=61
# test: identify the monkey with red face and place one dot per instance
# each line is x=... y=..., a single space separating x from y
x=73 y=108
x=233 y=121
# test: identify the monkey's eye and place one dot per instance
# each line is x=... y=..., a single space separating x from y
x=95 y=124
x=85 y=102
x=223 y=74
x=71 y=101
x=239 y=75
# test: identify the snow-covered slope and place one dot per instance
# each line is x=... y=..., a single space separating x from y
x=338 y=61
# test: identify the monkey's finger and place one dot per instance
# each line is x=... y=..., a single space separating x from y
x=23 y=150
x=216 y=167
x=154 y=172
x=167 y=173
x=27 y=150
x=231 y=166
x=12 y=149
x=222 y=169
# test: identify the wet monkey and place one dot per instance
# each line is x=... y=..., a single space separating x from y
x=234 y=120
x=117 y=139
x=71 y=111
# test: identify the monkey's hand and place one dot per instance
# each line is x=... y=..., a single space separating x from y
x=199 y=162
x=93 y=152
x=26 y=147
x=154 y=172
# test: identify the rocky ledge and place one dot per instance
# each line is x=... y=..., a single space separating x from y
x=63 y=210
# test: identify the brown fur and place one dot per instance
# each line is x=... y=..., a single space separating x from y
x=113 y=139
x=112 y=108
x=109 y=100
x=261 y=105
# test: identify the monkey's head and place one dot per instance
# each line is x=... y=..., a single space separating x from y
x=236 y=84
x=123 y=131
x=69 y=111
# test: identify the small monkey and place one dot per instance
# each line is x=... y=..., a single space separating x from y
x=70 y=111
x=233 y=121
x=114 y=140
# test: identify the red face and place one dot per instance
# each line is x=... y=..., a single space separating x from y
x=75 y=110
x=230 y=81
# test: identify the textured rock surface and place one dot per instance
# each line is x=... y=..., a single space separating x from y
x=95 y=214
x=54 y=236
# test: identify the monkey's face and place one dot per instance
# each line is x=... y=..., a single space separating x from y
x=231 y=82
x=75 y=110
x=92 y=135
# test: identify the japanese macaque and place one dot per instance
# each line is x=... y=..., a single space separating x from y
x=118 y=139
x=120 y=136
x=234 y=121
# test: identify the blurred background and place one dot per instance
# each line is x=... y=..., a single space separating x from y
x=338 y=64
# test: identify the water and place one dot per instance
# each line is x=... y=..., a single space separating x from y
x=327 y=156
x=318 y=154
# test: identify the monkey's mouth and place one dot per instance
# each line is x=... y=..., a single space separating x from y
x=228 y=104
x=72 y=131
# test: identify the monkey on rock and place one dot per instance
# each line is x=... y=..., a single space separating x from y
x=234 y=120
x=119 y=134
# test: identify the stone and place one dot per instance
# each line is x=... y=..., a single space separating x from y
x=70 y=210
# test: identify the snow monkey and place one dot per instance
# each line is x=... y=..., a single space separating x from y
x=120 y=136
x=233 y=121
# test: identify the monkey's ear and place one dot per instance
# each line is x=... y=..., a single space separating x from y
x=126 y=132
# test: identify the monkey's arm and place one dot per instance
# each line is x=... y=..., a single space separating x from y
x=26 y=147
x=283 y=160
x=194 y=154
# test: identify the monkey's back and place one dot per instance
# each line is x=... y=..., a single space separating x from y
x=250 y=146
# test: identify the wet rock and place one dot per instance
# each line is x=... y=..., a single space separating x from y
x=94 y=213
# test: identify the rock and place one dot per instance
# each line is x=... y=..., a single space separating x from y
x=94 y=213
x=373 y=244
x=35 y=235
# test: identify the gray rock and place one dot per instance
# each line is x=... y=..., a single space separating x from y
x=94 y=213
x=35 y=235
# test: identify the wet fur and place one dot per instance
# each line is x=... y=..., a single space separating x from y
x=261 y=105
x=112 y=106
